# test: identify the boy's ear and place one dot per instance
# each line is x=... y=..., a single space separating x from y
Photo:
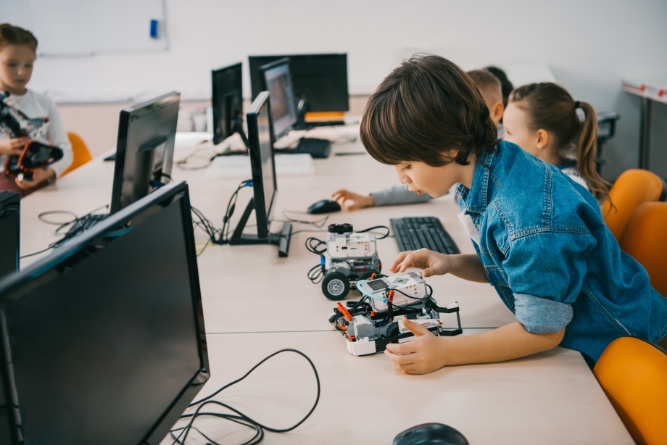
x=497 y=111
x=542 y=138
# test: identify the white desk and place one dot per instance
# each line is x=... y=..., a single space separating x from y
x=256 y=303
x=550 y=398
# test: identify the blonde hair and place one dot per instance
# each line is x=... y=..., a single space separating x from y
x=13 y=35
x=488 y=84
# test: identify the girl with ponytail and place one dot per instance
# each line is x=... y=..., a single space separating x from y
x=542 y=118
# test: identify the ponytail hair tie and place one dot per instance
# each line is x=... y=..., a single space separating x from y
x=577 y=104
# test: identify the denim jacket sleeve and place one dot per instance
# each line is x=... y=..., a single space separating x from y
x=545 y=271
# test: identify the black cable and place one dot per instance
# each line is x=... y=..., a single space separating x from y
x=68 y=236
x=239 y=417
x=376 y=227
x=319 y=223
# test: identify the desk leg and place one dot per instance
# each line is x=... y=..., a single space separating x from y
x=645 y=136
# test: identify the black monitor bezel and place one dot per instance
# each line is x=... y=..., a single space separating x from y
x=255 y=62
x=126 y=117
x=10 y=203
x=215 y=101
x=262 y=71
x=262 y=216
x=16 y=285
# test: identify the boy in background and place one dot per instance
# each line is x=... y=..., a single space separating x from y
x=491 y=89
x=18 y=49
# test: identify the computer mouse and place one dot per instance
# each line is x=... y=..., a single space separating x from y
x=431 y=434
x=324 y=206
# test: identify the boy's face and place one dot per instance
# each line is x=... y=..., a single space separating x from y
x=16 y=63
x=434 y=181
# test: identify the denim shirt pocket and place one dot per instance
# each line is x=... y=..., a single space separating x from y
x=498 y=279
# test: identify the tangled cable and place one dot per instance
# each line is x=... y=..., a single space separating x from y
x=238 y=417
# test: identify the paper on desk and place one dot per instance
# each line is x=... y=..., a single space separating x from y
x=226 y=167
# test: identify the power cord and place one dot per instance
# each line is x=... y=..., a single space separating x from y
x=238 y=417
x=80 y=221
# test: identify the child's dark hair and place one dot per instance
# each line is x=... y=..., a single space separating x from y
x=505 y=84
x=13 y=35
x=422 y=110
x=550 y=107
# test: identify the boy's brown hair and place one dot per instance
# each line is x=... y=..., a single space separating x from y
x=13 y=35
x=488 y=85
x=423 y=109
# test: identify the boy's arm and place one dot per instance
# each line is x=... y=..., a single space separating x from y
x=397 y=195
x=427 y=353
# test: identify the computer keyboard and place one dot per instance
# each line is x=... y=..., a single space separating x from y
x=84 y=223
x=424 y=231
x=317 y=148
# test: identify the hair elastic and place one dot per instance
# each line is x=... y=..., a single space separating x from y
x=577 y=104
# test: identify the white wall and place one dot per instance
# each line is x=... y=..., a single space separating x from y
x=588 y=44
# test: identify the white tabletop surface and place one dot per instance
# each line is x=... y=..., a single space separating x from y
x=549 y=398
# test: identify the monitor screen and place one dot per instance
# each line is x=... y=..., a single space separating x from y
x=145 y=149
x=10 y=220
x=319 y=78
x=261 y=161
x=106 y=336
x=227 y=101
x=278 y=83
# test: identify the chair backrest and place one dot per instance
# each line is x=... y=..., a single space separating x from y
x=631 y=189
x=645 y=239
x=80 y=152
x=632 y=373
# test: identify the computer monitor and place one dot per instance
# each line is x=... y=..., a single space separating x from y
x=277 y=81
x=104 y=341
x=145 y=149
x=227 y=102
x=320 y=79
x=260 y=138
x=10 y=220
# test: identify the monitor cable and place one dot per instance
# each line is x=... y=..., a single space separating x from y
x=180 y=434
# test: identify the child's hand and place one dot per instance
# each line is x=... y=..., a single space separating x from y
x=13 y=146
x=39 y=176
x=426 y=353
x=431 y=263
x=357 y=201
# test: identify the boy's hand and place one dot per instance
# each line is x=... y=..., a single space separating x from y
x=357 y=201
x=431 y=263
x=12 y=146
x=39 y=176
x=426 y=353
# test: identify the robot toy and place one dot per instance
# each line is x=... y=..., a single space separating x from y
x=35 y=154
x=368 y=325
x=347 y=258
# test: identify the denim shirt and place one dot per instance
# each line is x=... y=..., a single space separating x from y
x=550 y=256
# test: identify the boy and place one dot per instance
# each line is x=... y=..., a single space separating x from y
x=491 y=90
x=540 y=239
x=17 y=56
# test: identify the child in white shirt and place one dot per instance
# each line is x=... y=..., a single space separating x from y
x=17 y=56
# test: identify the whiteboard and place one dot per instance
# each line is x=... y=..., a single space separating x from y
x=87 y=27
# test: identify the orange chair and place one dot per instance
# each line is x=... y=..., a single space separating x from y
x=80 y=152
x=645 y=239
x=632 y=373
x=631 y=189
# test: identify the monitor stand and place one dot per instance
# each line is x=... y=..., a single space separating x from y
x=281 y=239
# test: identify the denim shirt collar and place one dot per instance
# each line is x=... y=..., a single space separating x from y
x=475 y=197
